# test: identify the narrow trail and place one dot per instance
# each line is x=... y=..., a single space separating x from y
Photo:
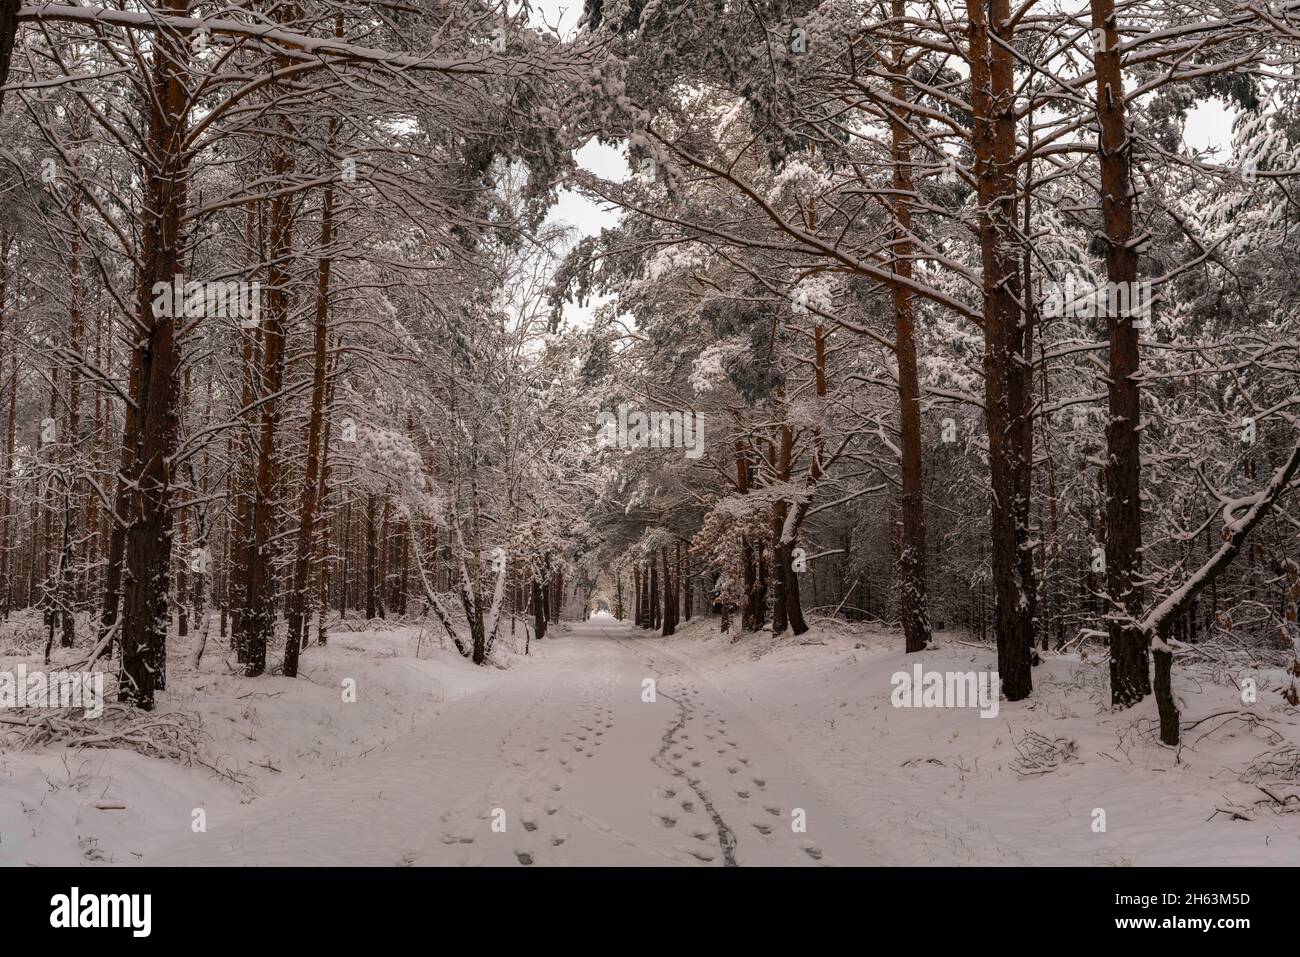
x=560 y=762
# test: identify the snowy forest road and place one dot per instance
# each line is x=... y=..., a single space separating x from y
x=561 y=761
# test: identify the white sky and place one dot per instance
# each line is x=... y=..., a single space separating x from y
x=1209 y=126
x=589 y=218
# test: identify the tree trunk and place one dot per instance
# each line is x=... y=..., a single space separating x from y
x=372 y=560
x=259 y=600
x=1130 y=678
x=539 y=611
x=1006 y=362
x=911 y=573
x=8 y=35
x=669 y=614
x=311 y=475
x=323 y=603
x=6 y=485
x=147 y=544
x=655 y=610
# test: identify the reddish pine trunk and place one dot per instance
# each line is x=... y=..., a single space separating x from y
x=8 y=33
x=237 y=588
x=655 y=610
x=259 y=598
x=911 y=574
x=372 y=559
x=1130 y=678
x=6 y=486
x=669 y=614
x=147 y=544
x=325 y=561
x=1007 y=389
x=311 y=477
x=539 y=609
x=754 y=601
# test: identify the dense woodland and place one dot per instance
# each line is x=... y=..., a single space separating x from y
x=977 y=341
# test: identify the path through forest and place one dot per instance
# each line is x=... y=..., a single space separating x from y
x=569 y=763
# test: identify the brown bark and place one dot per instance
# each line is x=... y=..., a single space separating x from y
x=668 y=616
x=655 y=610
x=147 y=544
x=259 y=592
x=636 y=595
x=1130 y=680
x=539 y=610
x=311 y=478
x=182 y=612
x=237 y=587
x=6 y=486
x=754 y=601
x=911 y=573
x=686 y=584
x=1007 y=386
x=8 y=35
x=372 y=558
x=382 y=593
x=327 y=529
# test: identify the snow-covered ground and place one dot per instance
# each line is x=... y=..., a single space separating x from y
x=557 y=758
